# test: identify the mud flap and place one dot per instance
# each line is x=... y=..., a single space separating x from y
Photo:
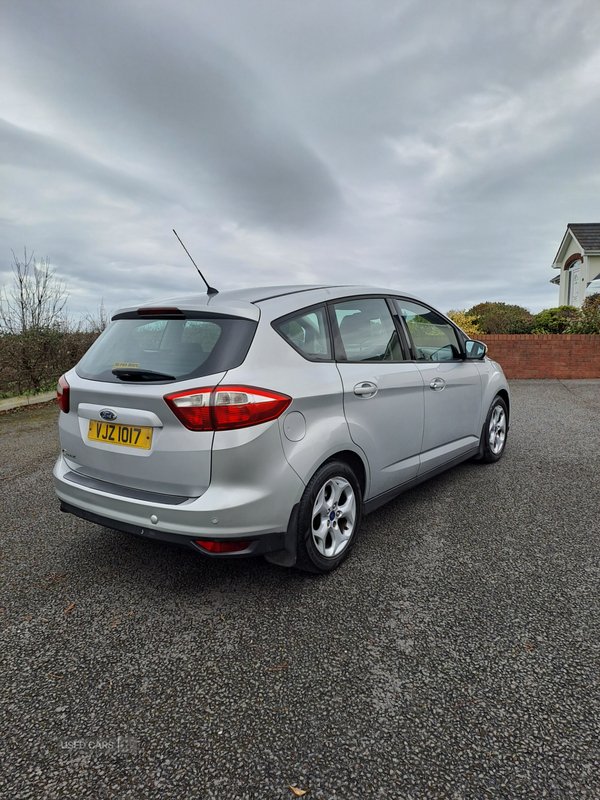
x=287 y=556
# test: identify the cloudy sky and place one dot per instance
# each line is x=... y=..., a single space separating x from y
x=435 y=147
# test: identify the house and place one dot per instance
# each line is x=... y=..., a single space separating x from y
x=578 y=260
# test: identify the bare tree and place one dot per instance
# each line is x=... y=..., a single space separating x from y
x=95 y=323
x=36 y=300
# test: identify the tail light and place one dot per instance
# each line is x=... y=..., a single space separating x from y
x=62 y=394
x=225 y=408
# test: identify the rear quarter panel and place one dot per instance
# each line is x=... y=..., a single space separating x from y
x=314 y=426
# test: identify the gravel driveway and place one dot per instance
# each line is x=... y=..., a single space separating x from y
x=456 y=654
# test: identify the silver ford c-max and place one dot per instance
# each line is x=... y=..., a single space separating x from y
x=267 y=421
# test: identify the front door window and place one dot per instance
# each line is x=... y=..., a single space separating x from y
x=433 y=337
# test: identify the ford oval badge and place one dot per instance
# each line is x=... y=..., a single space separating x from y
x=108 y=415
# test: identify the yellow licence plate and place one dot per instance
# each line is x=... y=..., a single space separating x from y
x=126 y=435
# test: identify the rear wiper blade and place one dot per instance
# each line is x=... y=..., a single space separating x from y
x=141 y=375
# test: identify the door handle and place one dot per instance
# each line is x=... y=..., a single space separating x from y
x=437 y=384
x=365 y=389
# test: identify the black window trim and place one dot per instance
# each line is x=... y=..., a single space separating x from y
x=405 y=344
x=338 y=353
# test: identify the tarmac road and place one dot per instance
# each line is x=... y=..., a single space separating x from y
x=456 y=653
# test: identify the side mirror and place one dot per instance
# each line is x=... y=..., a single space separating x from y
x=475 y=350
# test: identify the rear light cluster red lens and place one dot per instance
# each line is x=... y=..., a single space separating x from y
x=224 y=547
x=226 y=408
x=62 y=394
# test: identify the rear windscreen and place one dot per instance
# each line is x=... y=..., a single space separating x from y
x=167 y=349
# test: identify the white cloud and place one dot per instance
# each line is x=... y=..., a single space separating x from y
x=441 y=149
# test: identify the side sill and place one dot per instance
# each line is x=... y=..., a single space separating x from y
x=381 y=499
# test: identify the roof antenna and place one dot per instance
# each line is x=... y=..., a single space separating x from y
x=209 y=289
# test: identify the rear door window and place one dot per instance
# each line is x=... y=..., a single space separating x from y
x=367 y=330
x=167 y=349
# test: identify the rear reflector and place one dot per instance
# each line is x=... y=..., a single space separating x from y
x=226 y=407
x=224 y=547
x=62 y=394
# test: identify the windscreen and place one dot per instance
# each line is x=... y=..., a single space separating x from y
x=149 y=350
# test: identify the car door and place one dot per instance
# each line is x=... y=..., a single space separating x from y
x=382 y=389
x=452 y=386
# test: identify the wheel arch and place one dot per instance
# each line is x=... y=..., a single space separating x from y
x=504 y=395
x=355 y=462
x=318 y=531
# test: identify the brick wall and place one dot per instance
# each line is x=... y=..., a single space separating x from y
x=546 y=356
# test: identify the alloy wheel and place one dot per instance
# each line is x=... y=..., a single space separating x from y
x=333 y=517
x=497 y=430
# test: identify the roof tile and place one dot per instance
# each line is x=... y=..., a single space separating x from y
x=587 y=234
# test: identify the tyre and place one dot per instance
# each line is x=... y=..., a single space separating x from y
x=495 y=431
x=328 y=518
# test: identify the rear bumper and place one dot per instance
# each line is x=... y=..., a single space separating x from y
x=231 y=509
x=261 y=545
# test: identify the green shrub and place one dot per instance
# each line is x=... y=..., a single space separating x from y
x=588 y=319
x=501 y=318
x=31 y=362
x=465 y=322
x=554 y=320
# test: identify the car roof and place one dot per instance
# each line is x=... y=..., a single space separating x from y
x=244 y=301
